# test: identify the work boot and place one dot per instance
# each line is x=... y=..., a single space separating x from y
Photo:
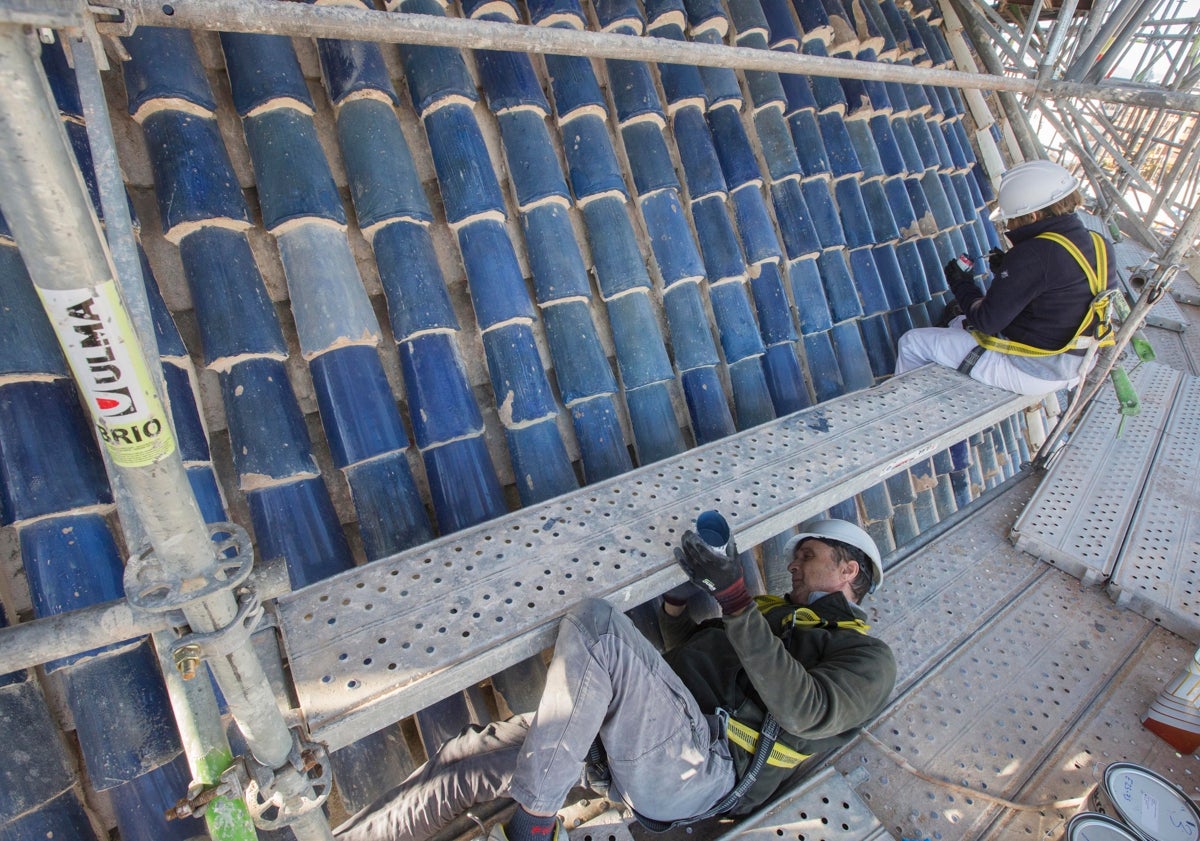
x=498 y=832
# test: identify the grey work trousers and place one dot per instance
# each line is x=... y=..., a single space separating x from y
x=665 y=756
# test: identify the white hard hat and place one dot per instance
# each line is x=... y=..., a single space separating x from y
x=1031 y=186
x=843 y=532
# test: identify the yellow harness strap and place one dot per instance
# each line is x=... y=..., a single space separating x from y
x=746 y=738
x=803 y=617
x=1097 y=278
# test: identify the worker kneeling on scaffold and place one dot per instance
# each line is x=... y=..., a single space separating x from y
x=1032 y=331
x=713 y=726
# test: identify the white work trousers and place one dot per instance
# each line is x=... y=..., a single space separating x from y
x=949 y=346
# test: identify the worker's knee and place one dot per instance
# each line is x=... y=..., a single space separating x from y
x=593 y=617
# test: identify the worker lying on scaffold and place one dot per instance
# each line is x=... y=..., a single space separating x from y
x=1047 y=304
x=714 y=726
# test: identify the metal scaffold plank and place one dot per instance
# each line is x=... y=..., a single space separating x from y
x=382 y=641
x=1080 y=514
x=1157 y=573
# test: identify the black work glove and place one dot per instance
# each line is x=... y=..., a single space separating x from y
x=995 y=259
x=716 y=572
x=955 y=274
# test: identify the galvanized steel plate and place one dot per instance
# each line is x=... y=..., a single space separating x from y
x=1080 y=514
x=380 y=642
x=823 y=808
x=1157 y=573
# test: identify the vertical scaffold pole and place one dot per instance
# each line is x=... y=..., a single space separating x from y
x=43 y=198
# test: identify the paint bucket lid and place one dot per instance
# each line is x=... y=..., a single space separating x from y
x=1091 y=826
x=1153 y=806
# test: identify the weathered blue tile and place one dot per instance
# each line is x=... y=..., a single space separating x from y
x=262 y=68
x=843 y=160
x=189 y=429
x=574 y=84
x=433 y=73
x=733 y=147
x=532 y=162
x=518 y=380
x=80 y=146
x=852 y=356
x=501 y=10
x=357 y=408
x=864 y=146
x=193 y=177
x=384 y=183
x=142 y=804
x=984 y=184
x=977 y=201
x=701 y=166
x=867 y=281
x=918 y=316
x=412 y=280
x=111 y=697
x=747 y=16
x=465 y=175
x=900 y=322
x=897 y=98
x=632 y=89
x=498 y=291
x=765 y=87
x=554 y=257
x=582 y=369
x=751 y=395
x=824 y=212
x=953 y=142
x=935 y=103
x=350 y=67
x=920 y=205
x=164 y=65
x=540 y=463
x=798 y=90
x=895 y=21
x=853 y=213
x=839 y=286
x=720 y=83
x=705 y=16
x=858 y=101
x=619 y=15
x=602 y=446
x=781 y=25
x=926 y=147
x=913 y=270
x=901 y=207
x=913 y=163
x=718 y=241
x=879 y=211
x=33 y=784
x=918 y=100
x=61 y=77
x=932 y=259
x=989 y=229
x=738 y=331
x=509 y=81
x=881 y=351
x=960 y=455
x=440 y=402
x=808 y=292
x=391 y=514
x=203 y=482
x=827 y=90
x=33 y=454
x=266 y=427
x=876 y=503
x=655 y=428
x=775 y=140
x=796 y=222
x=234 y=313
x=463 y=484
x=681 y=82
x=649 y=159
x=945 y=158
x=30 y=345
x=785 y=379
x=939 y=202
x=823 y=366
x=671 y=237
x=754 y=225
x=293 y=177
x=618 y=262
x=296 y=521
x=771 y=305
x=691 y=338
x=808 y=142
x=707 y=405
x=660 y=13
x=329 y=303
x=891 y=275
x=590 y=158
x=640 y=352
x=814 y=20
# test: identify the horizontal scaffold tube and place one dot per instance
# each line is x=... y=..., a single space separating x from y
x=353 y=23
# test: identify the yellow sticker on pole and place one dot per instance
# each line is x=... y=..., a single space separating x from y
x=102 y=349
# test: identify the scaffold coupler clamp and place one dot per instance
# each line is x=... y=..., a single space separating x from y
x=277 y=797
x=190 y=650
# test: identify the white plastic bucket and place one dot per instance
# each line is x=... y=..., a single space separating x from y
x=1091 y=826
x=1152 y=806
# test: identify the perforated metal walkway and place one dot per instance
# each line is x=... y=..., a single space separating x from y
x=367 y=648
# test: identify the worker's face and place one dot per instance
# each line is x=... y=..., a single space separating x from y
x=815 y=568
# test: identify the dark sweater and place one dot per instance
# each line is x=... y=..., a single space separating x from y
x=821 y=685
x=1040 y=295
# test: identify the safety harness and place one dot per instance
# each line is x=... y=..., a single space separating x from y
x=1098 y=312
x=763 y=745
